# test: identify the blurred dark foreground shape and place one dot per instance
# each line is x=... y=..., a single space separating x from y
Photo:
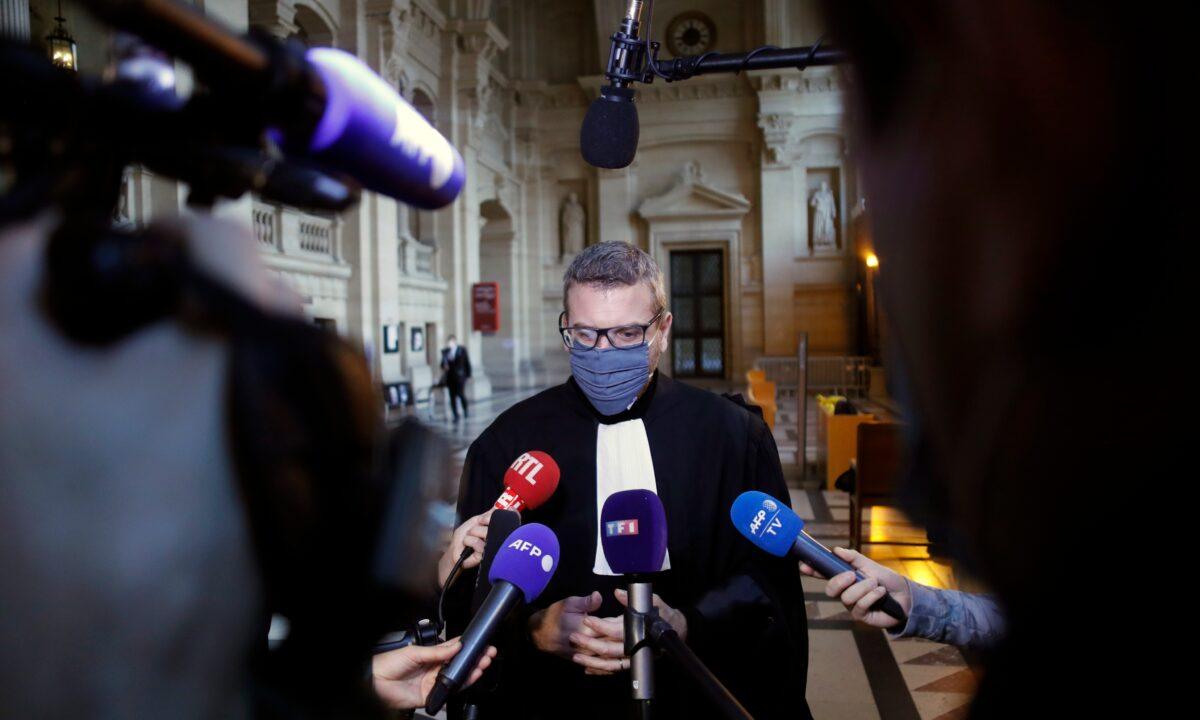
x=1025 y=170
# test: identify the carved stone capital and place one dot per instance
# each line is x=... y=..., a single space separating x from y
x=777 y=130
x=479 y=38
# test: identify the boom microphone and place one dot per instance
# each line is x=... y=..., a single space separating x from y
x=774 y=527
x=519 y=574
x=610 y=131
x=634 y=537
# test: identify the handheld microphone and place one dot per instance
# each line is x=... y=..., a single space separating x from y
x=609 y=135
x=775 y=528
x=502 y=524
x=634 y=537
x=519 y=574
x=528 y=482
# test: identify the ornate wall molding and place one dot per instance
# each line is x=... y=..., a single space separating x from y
x=793 y=81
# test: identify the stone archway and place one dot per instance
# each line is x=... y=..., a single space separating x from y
x=497 y=263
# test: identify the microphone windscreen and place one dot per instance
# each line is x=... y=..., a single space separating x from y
x=370 y=133
x=532 y=478
x=527 y=560
x=500 y=526
x=766 y=522
x=610 y=131
x=633 y=532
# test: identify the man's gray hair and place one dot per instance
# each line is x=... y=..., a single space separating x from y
x=615 y=264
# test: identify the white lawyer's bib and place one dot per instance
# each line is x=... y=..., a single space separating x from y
x=623 y=462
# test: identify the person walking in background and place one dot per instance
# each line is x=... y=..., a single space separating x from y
x=456 y=369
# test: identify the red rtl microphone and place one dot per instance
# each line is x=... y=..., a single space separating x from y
x=528 y=482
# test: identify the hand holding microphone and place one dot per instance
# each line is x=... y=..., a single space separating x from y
x=775 y=528
x=467 y=543
x=528 y=483
x=860 y=595
x=403 y=678
x=520 y=572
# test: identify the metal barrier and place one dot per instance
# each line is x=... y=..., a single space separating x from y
x=800 y=376
x=783 y=371
x=839 y=374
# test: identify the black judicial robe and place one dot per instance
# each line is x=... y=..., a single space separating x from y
x=745 y=608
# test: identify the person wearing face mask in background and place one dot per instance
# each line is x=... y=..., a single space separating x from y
x=619 y=424
x=456 y=369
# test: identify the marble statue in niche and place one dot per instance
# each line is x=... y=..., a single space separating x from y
x=824 y=232
x=572 y=226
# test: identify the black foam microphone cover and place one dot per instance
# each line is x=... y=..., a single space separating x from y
x=502 y=524
x=609 y=135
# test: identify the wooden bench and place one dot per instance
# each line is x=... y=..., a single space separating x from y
x=762 y=394
x=878 y=461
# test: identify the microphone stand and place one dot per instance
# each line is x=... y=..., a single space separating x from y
x=641 y=664
x=660 y=635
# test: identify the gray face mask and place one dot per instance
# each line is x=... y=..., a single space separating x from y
x=611 y=379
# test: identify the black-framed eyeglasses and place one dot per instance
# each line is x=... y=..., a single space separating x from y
x=621 y=337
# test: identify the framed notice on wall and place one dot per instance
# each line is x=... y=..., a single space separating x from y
x=485 y=307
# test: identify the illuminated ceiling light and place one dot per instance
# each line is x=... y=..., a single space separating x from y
x=62 y=45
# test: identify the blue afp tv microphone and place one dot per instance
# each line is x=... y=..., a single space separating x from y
x=774 y=527
x=633 y=533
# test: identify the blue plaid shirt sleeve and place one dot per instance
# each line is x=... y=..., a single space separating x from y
x=953 y=617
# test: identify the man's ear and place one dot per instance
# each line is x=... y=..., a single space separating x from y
x=665 y=323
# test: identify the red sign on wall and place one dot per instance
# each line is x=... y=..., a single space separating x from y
x=485 y=307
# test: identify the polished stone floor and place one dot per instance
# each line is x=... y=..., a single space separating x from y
x=855 y=672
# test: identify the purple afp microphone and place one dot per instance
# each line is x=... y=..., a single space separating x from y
x=774 y=527
x=369 y=132
x=520 y=572
x=633 y=533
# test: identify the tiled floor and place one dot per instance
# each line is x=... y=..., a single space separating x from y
x=855 y=672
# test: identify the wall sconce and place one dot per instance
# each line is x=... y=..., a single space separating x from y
x=62 y=45
x=872 y=261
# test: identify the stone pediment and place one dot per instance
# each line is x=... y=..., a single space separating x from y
x=691 y=198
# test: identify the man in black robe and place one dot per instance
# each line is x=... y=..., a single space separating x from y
x=617 y=424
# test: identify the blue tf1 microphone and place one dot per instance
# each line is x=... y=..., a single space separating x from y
x=774 y=527
x=633 y=534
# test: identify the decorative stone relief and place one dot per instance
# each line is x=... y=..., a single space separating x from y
x=777 y=137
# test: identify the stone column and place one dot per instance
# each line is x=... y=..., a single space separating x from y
x=473 y=44
x=779 y=233
x=14 y=19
